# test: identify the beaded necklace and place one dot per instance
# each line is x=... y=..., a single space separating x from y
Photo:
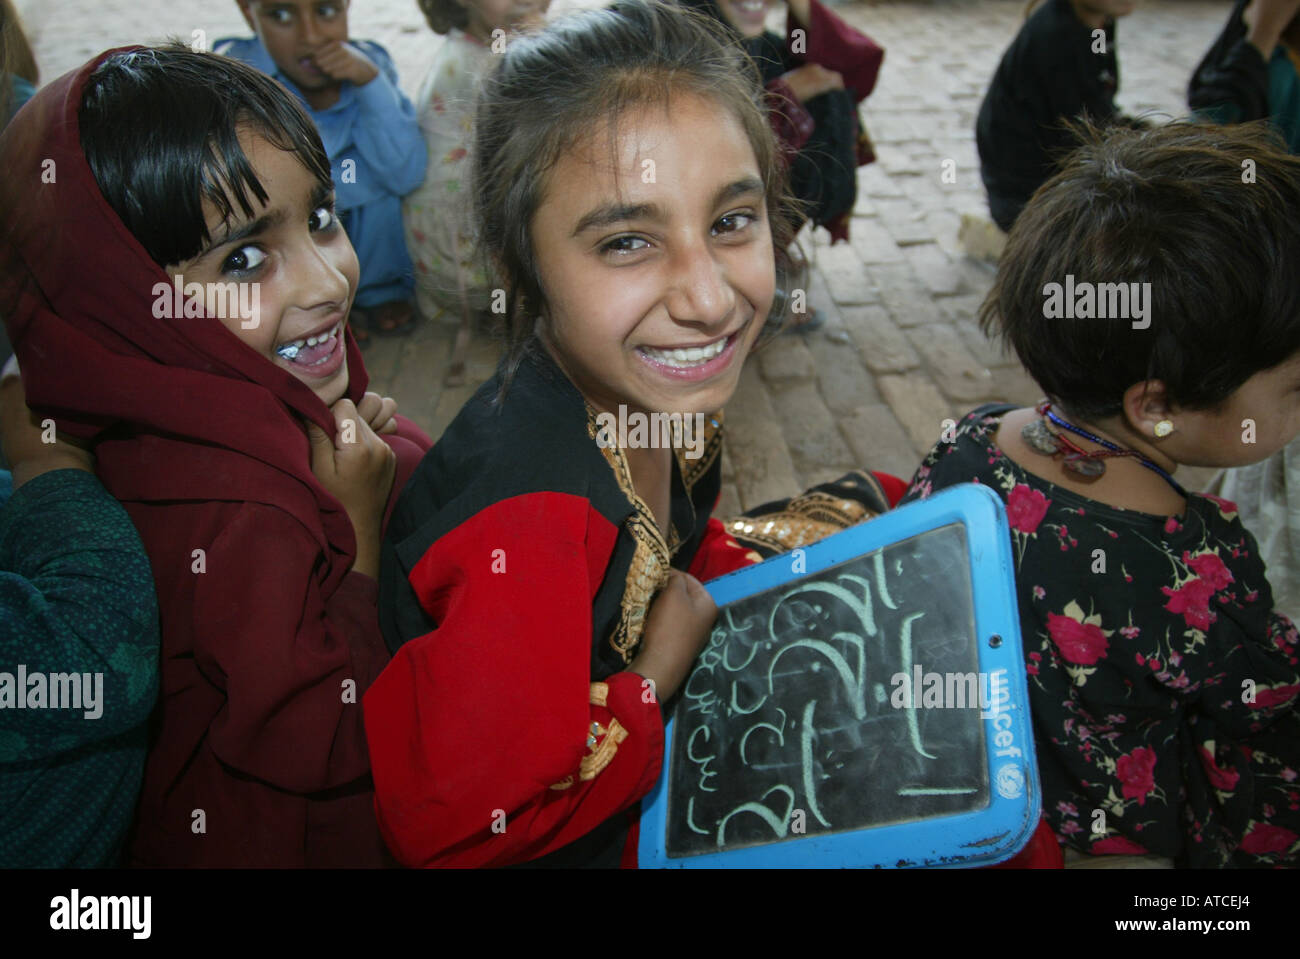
x=1090 y=464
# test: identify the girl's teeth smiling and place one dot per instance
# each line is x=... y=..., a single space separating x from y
x=290 y=351
x=691 y=356
x=750 y=10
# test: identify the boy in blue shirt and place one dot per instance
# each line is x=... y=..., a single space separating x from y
x=377 y=153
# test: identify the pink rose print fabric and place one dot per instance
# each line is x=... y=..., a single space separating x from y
x=1026 y=508
x=1165 y=690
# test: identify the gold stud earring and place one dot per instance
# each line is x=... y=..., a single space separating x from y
x=1164 y=428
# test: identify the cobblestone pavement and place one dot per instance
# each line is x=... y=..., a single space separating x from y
x=900 y=351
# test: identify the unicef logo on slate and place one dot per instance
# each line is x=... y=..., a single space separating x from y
x=1011 y=781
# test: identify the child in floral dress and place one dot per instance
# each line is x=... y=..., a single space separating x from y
x=1163 y=685
x=449 y=272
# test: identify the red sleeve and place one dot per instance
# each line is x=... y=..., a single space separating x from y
x=481 y=731
x=719 y=554
x=281 y=651
x=834 y=44
x=894 y=487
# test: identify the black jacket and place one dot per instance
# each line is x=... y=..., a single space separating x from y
x=1049 y=74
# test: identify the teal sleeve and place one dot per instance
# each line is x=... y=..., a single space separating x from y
x=1221 y=114
x=1284 y=98
x=20 y=91
x=76 y=597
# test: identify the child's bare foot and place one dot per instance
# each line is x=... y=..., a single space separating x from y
x=394 y=318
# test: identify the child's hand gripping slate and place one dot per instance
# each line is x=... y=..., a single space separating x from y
x=676 y=629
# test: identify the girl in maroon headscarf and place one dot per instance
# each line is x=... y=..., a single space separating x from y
x=177 y=293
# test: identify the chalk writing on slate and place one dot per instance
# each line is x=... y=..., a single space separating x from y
x=795 y=720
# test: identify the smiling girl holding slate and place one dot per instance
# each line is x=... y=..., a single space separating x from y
x=227 y=443
x=539 y=590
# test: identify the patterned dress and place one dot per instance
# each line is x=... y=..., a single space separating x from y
x=1163 y=685
x=437 y=215
x=1268 y=493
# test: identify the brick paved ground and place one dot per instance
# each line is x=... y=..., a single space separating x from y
x=900 y=352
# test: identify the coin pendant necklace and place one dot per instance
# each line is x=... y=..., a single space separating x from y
x=1044 y=435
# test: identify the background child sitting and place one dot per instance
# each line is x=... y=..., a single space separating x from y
x=1251 y=71
x=1162 y=683
x=1061 y=65
x=815 y=77
x=368 y=127
x=450 y=273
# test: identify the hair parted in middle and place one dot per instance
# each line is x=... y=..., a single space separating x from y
x=160 y=129
x=585 y=71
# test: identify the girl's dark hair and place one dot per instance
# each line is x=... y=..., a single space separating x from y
x=1208 y=215
x=444 y=14
x=552 y=89
x=160 y=130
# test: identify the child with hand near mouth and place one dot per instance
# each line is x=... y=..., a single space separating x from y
x=368 y=126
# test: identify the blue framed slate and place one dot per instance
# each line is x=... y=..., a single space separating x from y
x=861 y=702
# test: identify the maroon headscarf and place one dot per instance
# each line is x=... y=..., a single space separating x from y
x=204 y=442
x=185 y=409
